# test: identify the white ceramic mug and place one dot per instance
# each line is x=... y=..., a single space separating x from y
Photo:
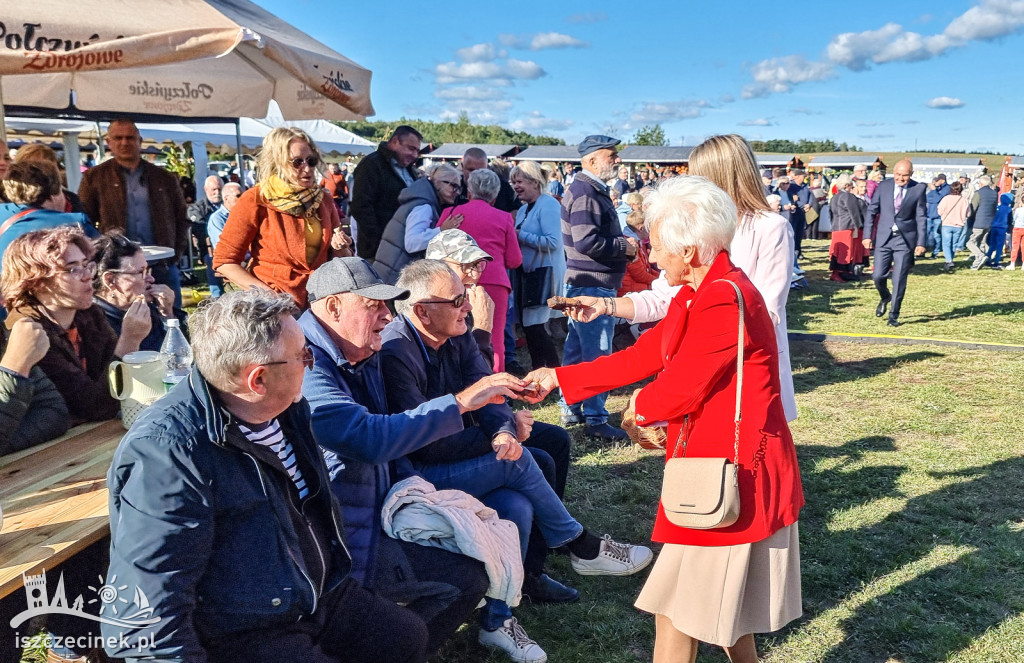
x=137 y=381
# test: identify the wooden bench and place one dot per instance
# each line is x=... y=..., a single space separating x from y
x=54 y=499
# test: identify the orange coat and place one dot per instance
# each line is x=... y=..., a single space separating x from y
x=693 y=354
x=276 y=243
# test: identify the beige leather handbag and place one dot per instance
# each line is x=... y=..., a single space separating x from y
x=704 y=493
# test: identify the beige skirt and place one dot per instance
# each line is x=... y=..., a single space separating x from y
x=718 y=594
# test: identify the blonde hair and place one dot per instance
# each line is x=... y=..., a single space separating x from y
x=532 y=171
x=728 y=162
x=843 y=181
x=31 y=183
x=34 y=259
x=36 y=152
x=273 y=158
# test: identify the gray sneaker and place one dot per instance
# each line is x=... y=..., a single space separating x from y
x=615 y=559
x=512 y=639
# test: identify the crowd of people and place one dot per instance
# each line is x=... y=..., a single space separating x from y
x=352 y=469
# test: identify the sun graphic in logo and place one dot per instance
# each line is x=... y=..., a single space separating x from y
x=108 y=594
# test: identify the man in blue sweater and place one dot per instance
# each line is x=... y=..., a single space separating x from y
x=366 y=448
x=596 y=257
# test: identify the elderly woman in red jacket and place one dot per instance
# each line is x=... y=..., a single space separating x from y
x=715 y=585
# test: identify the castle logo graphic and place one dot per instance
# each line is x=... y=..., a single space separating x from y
x=114 y=609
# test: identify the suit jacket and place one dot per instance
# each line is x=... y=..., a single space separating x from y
x=912 y=219
x=692 y=357
x=104 y=198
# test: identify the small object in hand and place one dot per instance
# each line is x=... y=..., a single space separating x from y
x=563 y=303
x=531 y=390
x=648 y=437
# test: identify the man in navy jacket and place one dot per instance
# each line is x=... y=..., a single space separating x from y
x=365 y=446
x=900 y=205
x=221 y=513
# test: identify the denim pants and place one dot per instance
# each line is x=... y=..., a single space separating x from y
x=934 y=240
x=587 y=341
x=215 y=282
x=950 y=236
x=518 y=491
x=996 y=244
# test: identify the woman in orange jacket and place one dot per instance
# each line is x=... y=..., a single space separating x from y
x=287 y=224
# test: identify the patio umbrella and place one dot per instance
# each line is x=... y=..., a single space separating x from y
x=182 y=58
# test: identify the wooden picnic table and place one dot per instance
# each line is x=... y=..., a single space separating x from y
x=54 y=499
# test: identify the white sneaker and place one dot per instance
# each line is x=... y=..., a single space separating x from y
x=615 y=559
x=1013 y=266
x=512 y=639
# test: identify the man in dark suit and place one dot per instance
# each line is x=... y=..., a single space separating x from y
x=900 y=205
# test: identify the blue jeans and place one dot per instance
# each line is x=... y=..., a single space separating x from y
x=961 y=239
x=587 y=341
x=214 y=281
x=518 y=491
x=950 y=236
x=934 y=239
x=996 y=244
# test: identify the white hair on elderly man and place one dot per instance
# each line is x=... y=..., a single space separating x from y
x=691 y=211
x=235 y=330
x=419 y=278
x=483 y=185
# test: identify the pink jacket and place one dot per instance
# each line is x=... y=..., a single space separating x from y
x=495 y=232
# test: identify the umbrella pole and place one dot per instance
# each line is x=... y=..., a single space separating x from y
x=3 y=113
x=240 y=156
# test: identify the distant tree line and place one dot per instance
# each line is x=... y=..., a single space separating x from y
x=461 y=131
x=802 y=146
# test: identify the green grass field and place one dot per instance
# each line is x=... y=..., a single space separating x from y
x=913 y=465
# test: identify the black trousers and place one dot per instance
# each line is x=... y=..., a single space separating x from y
x=442 y=587
x=541 y=347
x=553 y=444
x=351 y=624
x=892 y=258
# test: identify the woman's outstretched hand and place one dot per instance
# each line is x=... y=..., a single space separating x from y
x=539 y=384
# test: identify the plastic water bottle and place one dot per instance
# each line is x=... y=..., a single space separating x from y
x=177 y=354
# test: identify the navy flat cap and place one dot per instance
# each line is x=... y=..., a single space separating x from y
x=594 y=143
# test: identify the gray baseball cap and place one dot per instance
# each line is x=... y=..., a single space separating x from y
x=457 y=245
x=595 y=143
x=350 y=275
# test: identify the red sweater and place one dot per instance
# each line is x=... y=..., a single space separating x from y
x=640 y=273
x=693 y=353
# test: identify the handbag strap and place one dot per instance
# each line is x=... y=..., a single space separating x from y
x=14 y=219
x=739 y=382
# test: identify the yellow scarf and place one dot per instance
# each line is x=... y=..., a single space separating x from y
x=290 y=199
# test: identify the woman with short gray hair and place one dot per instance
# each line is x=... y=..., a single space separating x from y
x=495 y=233
x=718 y=585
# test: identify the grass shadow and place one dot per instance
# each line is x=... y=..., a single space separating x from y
x=814 y=366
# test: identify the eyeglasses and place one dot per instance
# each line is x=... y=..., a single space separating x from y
x=81 y=271
x=307 y=359
x=454 y=303
x=310 y=161
x=132 y=272
x=454 y=185
x=477 y=267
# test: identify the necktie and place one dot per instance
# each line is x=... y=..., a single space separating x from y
x=898 y=203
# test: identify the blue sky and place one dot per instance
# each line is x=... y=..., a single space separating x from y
x=884 y=76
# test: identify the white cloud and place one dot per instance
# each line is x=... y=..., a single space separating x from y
x=479 y=53
x=806 y=111
x=588 y=17
x=727 y=98
x=453 y=72
x=759 y=122
x=545 y=40
x=512 y=41
x=470 y=93
x=655 y=113
x=945 y=103
x=535 y=122
x=858 y=51
x=781 y=74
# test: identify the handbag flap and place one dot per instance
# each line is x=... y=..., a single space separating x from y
x=694 y=485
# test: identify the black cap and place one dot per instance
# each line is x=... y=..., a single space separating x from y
x=595 y=143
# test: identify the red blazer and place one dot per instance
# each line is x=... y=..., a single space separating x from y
x=693 y=353
x=276 y=242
